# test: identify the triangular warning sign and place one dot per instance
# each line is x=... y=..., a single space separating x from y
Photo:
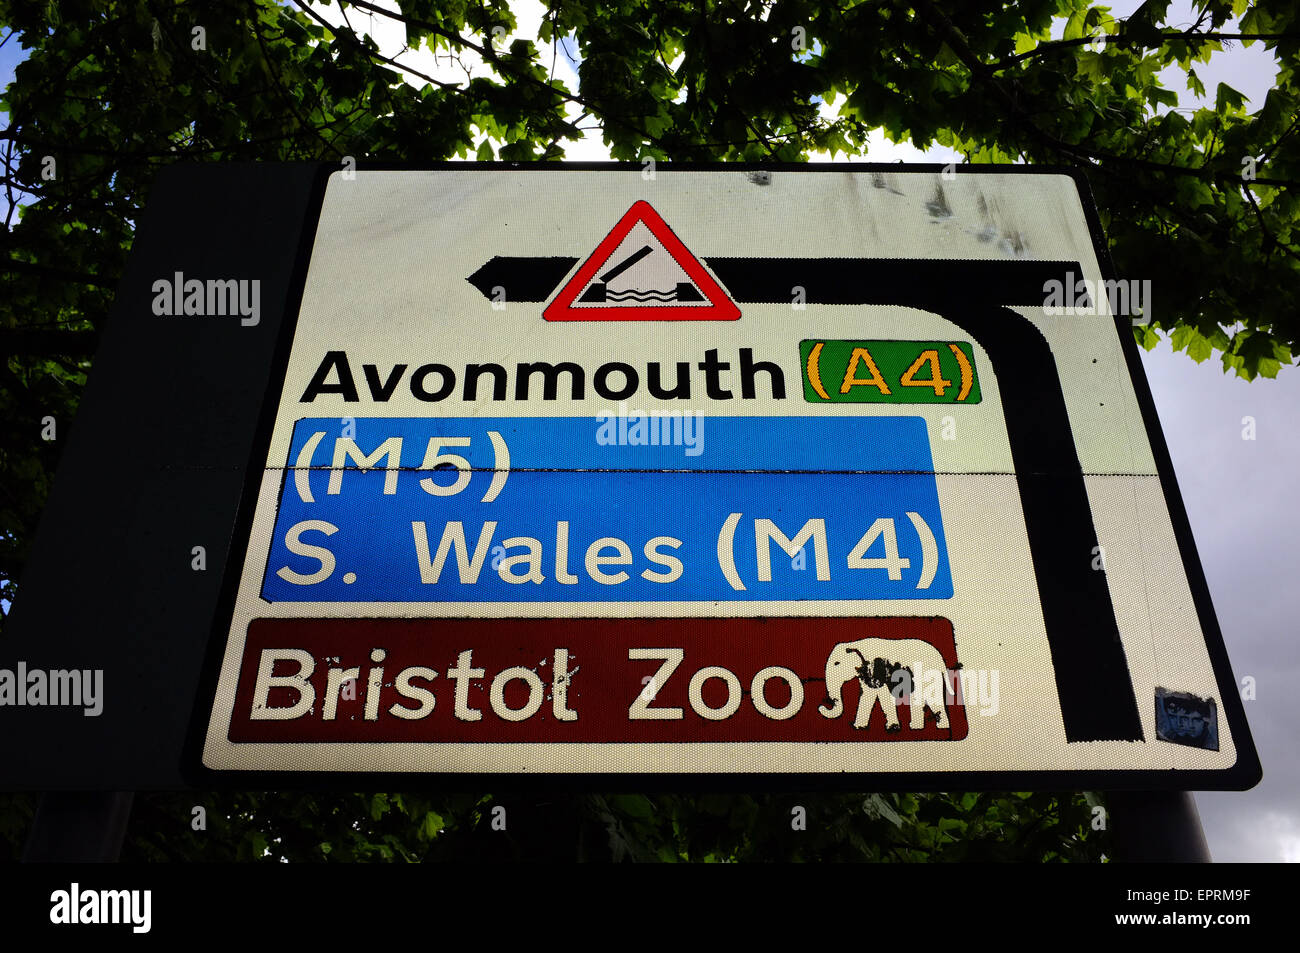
x=641 y=271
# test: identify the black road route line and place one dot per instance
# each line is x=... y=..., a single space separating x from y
x=1092 y=675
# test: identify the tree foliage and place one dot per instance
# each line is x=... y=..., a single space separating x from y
x=710 y=828
x=1202 y=201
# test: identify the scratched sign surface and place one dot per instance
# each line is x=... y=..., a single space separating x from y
x=583 y=472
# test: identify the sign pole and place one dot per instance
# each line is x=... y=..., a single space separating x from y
x=79 y=827
x=1157 y=826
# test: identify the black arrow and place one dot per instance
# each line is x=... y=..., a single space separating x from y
x=1093 y=683
x=903 y=281
x=523 y=279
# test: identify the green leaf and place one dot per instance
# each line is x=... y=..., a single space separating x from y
x=1227 y=100
x=1074 y=26
x=1198 y=348
x=1091 y=66
x=1146 y=336
x=1162 y=97
x=1268 y=367
x=432 y=825
x=633 y=805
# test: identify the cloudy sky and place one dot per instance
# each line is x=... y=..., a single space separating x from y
x=1236 y=490
x=1236 y=493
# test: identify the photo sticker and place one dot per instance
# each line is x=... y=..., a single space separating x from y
x=1186 y=719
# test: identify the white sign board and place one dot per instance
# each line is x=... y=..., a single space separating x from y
x=818 y=472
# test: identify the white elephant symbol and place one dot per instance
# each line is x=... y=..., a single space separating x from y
x=888 y=669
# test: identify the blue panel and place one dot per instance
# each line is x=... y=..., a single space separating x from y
x=591 y=479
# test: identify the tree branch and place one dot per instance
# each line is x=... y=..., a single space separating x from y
x=982 y=72
x=504 y=66
x=1271 y=241
x=373 y=54
x=280 y=87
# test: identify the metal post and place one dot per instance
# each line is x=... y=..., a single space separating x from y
x=79 y=827
x=1159 y=826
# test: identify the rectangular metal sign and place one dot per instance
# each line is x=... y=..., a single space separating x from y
x=821 y=473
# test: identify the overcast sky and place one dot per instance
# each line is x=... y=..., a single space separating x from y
x=1240 y=494
x=1240 y=497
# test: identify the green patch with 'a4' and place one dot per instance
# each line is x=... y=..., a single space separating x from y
x=889 y=372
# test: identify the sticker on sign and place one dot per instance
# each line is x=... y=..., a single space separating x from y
x=684 y=477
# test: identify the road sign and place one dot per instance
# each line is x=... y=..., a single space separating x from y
x=835 y=475
x=652 y=278
x=804 y=475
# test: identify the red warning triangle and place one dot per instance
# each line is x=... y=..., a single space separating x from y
x=641 y=271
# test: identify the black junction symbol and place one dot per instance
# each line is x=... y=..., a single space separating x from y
x=1091 y=669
